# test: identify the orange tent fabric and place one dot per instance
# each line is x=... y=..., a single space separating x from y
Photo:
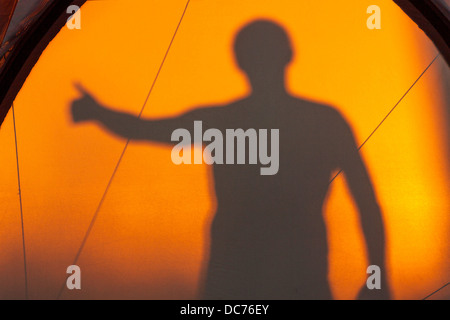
x=151 y=237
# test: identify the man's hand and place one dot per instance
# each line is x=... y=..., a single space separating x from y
x=375 y=294
x=85 y=108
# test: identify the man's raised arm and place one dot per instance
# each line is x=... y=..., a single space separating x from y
x=127 y=125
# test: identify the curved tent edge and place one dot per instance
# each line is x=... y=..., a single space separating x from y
x=433 y=18
x=28 y=50
x=9 y=8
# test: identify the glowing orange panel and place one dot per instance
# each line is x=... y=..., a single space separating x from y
x=150 y=239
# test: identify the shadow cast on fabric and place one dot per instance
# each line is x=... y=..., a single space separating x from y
x=268 y=235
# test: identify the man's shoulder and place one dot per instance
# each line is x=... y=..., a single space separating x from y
x=320 y=112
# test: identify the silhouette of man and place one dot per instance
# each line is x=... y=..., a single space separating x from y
x=268 y=236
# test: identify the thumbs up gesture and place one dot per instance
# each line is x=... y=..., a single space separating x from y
x=84 y=108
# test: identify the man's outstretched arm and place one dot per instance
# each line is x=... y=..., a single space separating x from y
x=127 y=125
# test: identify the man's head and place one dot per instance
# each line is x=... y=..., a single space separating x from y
x=262 y=50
